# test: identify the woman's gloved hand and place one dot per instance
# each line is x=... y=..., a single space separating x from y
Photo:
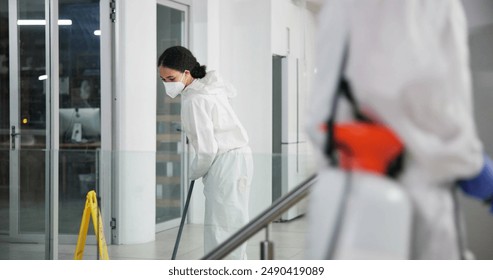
x=481 y=186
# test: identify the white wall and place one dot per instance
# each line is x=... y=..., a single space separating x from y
x=301 y=22
x=245 y=59
x=135 y=120
x=293 y=28
x=201 y=45
x=238 y=46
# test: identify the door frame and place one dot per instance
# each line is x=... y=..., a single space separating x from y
x=50 y=237
x=14 y=155
x=185 y=6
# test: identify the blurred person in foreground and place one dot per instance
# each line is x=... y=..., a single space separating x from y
x=408 y=66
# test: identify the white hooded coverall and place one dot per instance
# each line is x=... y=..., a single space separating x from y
x=221 y=156
x=408 y=65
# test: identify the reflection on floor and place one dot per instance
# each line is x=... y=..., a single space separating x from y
x=288 y=238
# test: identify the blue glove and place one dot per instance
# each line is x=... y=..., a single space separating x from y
x=481 y=186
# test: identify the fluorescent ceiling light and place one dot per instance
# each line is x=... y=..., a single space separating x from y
x=97 y=32
x=42 y=22
x=43 y=77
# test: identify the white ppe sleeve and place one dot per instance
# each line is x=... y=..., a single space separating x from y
x=200 y=132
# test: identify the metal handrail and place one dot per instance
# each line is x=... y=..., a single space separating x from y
x=261 y=221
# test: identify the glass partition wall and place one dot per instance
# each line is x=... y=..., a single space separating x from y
x=172 y=23
x=80 y=108
x=38 y=202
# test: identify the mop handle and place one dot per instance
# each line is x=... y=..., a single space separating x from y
x=185 y=210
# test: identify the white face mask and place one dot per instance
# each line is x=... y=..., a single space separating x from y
x=174 y=88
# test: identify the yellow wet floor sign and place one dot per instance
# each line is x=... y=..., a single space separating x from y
x=91 y=210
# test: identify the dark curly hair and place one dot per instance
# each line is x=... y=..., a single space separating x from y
x=180 y=58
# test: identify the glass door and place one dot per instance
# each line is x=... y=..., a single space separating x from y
x=51 y=145
x=23 y=119
x=79 y=114
x=84 y=109
x=172 y=30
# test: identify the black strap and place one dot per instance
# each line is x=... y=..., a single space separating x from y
x=343 y=89
x=346 y=91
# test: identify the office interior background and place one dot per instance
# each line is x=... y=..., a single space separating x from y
x=82 y=107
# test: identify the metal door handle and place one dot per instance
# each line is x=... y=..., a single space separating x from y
x=13 y=135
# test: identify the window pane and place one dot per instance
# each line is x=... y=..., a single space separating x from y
x=169 y=146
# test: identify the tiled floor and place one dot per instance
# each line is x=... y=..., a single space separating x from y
x=288 y=239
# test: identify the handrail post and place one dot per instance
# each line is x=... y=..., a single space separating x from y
x=267 y=246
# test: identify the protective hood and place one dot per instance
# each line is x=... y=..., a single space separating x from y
x=212 y=84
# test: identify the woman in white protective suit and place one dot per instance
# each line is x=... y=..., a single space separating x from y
x=222 y=157
x=408 y=65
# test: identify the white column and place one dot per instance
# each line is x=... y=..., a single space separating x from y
x=135 y=120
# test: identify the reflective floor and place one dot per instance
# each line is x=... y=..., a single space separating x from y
x=288 y=238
